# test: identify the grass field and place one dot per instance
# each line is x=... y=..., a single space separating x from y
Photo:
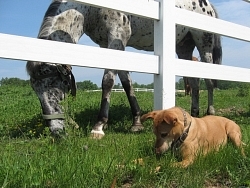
x=29 y=158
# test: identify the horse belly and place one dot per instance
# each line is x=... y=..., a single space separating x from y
x=142 y=37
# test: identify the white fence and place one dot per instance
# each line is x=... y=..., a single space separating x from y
x=122 y=90
x=136 y=90
x=163 y=64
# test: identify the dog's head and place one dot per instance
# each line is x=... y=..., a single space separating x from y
x=168 y=125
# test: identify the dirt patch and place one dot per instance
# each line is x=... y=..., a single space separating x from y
x=230 y=111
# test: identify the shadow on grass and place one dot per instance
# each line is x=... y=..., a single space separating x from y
x=32 y=128
x=120 y=119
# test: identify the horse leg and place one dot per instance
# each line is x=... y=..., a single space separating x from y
x=128 y=87
x=210 y=90
x=118 y=32
x=108 y=82
x=184 y=50
x=186 y=86
x=204 y=43
x=195 y=86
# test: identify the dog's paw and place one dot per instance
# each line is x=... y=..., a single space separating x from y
x=176 y=165
x=182 y=164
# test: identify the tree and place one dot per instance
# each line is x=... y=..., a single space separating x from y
x=118 y=86
x=243 y=90
x=150 y=86
x=86 y=85
x=14 y=82
x=180 y=84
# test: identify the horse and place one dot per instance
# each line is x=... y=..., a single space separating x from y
x=67 y=21
x=187 y=87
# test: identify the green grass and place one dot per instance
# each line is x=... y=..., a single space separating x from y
x=30 y=158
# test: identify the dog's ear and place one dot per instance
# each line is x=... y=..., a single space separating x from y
x=149 y=115
x=169 y=117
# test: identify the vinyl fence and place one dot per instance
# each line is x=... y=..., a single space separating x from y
x=162 y=64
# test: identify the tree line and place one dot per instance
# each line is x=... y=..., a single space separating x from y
x=88 y=85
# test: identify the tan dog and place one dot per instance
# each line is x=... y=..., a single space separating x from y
x=176 y=129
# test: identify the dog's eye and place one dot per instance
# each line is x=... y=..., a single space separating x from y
x=163 y=135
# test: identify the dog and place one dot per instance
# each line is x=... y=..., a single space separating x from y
x=188 y=136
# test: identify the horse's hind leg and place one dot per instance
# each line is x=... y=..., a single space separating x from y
x=210 y=90
x=128 y=87
x=204 y=43
x=184 y=50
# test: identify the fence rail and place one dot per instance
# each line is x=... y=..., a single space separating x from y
x=144 y=8
x=163 y=64
x=136 y=90
x=122 y=90
x=31 y=49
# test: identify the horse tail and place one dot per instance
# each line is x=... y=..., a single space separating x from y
x=217 y=49
x=217 y=54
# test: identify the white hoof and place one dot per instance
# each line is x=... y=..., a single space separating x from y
x=97 y=134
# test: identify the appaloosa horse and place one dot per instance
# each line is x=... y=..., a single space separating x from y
x=68 y=21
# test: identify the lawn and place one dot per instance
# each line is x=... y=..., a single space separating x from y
x=30 y=157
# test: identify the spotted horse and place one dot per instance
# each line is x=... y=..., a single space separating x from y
x=67 y=21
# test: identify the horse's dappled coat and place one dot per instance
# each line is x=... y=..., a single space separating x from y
x=68 y=21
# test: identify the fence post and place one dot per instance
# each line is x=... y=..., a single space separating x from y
x=164 y=47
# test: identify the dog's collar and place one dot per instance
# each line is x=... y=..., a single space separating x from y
x=177 y=143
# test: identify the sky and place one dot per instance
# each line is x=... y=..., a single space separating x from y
x=25 y=17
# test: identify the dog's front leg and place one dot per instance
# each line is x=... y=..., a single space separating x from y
x=187 y=158
x=182 y=164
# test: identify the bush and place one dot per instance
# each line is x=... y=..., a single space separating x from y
x=243 y=91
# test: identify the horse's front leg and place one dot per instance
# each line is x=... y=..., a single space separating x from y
x=194 y=84
x=108 y=82
x=118 y=32
x=128 y=87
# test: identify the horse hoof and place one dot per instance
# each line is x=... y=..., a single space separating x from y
x=210 y=110
x=195 y=112
x=58 y=135
x=137 y=128
x=97 y=134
